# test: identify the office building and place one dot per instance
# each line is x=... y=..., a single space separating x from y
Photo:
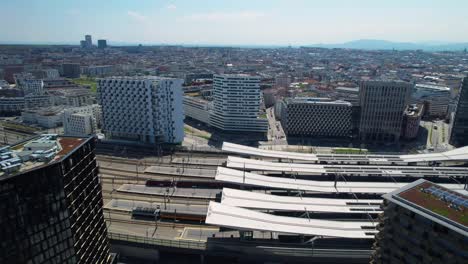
x=51 y=209
x=382 y=106
x=89 y=41
x=435 y=99
x=318 y=117
x=81 y=121
x=198 y=109
x=459 y=126
x=71 y=70
x=146 y=109
x=236 y=103
x=102 y=43
x=83 y=44
x=422 y=222
x=411 y=121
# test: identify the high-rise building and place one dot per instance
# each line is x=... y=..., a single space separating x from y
x=146 y=109
x=236 y=103
x=318 y=117
x=382 y=106
x=459 y=127
x=71 y=70
x=89 y=41
x=102 y=43
x=51 y=207
x=422 y=222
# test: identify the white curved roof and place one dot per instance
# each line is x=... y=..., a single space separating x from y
x=246 y=178
x=459 y=154
x=256 y=200
x=245 y=219
x=241 y=149
x=362 y=170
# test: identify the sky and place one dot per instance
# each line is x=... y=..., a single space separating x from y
x=233 y=22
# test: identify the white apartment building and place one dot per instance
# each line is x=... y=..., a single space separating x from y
x=81 y=121
x=146 y=109
x=48 y=117
x=236 y=103
x=29 y=84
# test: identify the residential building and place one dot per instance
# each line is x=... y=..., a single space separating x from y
x=51 y=209
x=73 y=97
x=459 y=127
x=36 y=101
x=47 y=117
x=412 y=120
x=147 y=109
x=10 y=106
x=101 y=70
x=197 y=108
x=436 y=99
x=30 y=86
x=318 y=117
x=236 y=103
x=422 y=222
x=382 y=106
x=82 y=121
x=102 y=43
x=71 y=70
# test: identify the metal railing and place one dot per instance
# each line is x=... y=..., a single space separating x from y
x=158 y=242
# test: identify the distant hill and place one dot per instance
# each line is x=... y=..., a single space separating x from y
x=374 y=44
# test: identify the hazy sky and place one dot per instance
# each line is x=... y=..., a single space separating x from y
x=262 y=22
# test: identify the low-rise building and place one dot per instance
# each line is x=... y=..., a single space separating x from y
x=348 y=94
x=411 y=121
x=47 y=117
x=435 y=98
x=320 y=117
x=197 y=108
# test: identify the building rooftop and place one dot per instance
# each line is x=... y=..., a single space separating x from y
x=434 y=202
x=35 y=152
x=316 y=100
x=431 y=87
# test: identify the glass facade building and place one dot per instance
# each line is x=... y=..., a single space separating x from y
x=52 y=213
x=459 y=134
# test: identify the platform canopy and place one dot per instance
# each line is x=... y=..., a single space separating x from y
x=252 y=179
x=245 y=219
x=257 y=200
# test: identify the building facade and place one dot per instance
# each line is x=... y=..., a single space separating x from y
x=81 y=121
x=459 y=126
x=435 y=98
x=236 y=103
x=146 y=109
x=318 y=117
x=71 y=70
x=422 y=223
x=102 y=43
x=51 y=209
x=382 y=106
x=411 y=121
x=197 y=109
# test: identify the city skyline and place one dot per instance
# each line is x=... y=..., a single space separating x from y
x=240 y=23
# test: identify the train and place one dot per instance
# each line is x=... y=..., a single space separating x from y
x=190 y=184
x=154 y=214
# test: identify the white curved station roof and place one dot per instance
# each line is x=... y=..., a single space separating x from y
x=256 y=200
x=459 y=154
x=246 y=178
x=245 y=219
x=363 y=170
x=241 y=149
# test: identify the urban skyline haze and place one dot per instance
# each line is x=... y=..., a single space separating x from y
x=259 y=22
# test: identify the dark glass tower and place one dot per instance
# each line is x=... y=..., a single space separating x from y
x=51 y=202
x=459 y=134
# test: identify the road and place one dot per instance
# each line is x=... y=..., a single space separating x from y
x=275 y=131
